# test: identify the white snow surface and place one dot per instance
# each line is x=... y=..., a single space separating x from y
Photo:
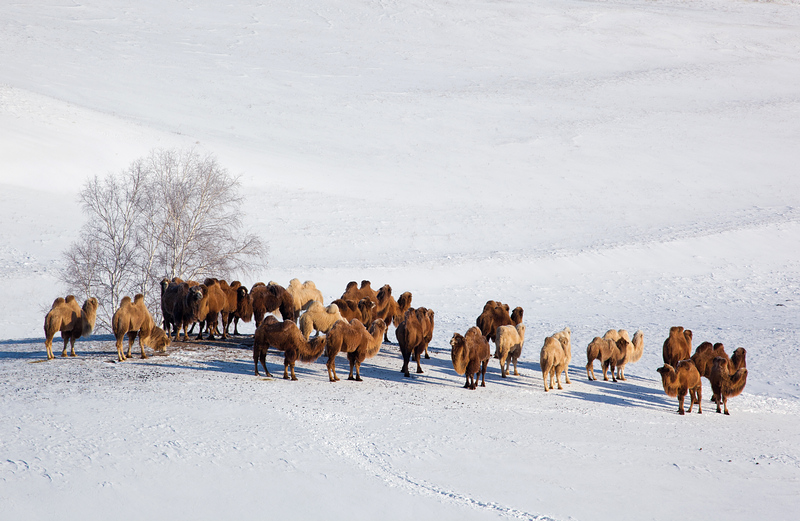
x=603 y=164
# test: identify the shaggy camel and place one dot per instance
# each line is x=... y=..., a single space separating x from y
x=678 y=346
x=228 y=311
x=284 y=336
x=71 y=320
x=354 y=293
x=217 y=302
x=677 y=381
x=269 y=298
x=132 y=319
x=413 y=334
x=725 y=385
x=303 y=293
x=509 y=341
x=610 y=353
x=318 y=317
x=555 y=357
x=392 y=311
x=355 y=340
x=470 y=354
x=635 y=349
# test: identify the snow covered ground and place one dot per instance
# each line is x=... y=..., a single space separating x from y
x=603 y=164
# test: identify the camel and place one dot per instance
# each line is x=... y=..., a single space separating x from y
x=494 y=315
x=367 y=349
x=635 y=349
x=269 y=298
x=319 y=318
x=71 y=320
x=678 y=346
x=705 y=354
x=470 y=354
x=725 y=385
x=413 y=333
x=132 y=319
x=677 y=381
x=610 y=353
x=555 y=357
x=284 y=336
x=354 y=293
x=217 y=305
x=509 y=340
x=392 y=311
x=189 y=306
x=244 y=309
x=303 y=293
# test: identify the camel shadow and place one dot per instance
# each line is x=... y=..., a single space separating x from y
x=58 y=344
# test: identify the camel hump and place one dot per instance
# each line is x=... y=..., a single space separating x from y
x=138 y=298
x=58 y=302
x=70 y=298
x=126 y=301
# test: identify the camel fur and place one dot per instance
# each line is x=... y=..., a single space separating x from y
x=725 y=384
x=509 y=340
x=677 y=381
x=555 y=357
x=678 y=346
x=132 y=319
x=284 y=336
x=470 y=354
x=610 y=353
x=190 y=305
x=303 y=293
x=71 y=320
x=319 y=318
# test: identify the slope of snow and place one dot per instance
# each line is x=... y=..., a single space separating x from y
x=600 y=163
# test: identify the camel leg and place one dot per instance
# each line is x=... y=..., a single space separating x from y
x=484 y=365
x=566 y=375
x=590 y=370
x=427 y=357
x=331 y=365
x=699 y=398
x=558 y=379
x=544 y=377
x=48 y=345
x=225 y=325
x=72 y=346
x=352 y=366
x=131 y=338
x=406 y=360
x=613 y=368
x=120 y=350
x=416 y=358
x=358 y=371
x=503 y=367
x=605 y=371
x=66 y=339
x=264 y=362
x=466 y=381
x=725 y=404
x=291 y=368
x=681 y=397
x=141 y=346
x=514 y=359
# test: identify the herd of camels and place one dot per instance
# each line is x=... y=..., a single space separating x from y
x=357 y=325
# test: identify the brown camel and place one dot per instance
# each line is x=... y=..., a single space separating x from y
x=494 y=315
x=269 y=298
x=190 y=305
x=392 y=311
x=725 y=385
x=470 y=355
x=677 y=381
x=678 y=346
x=416 y=327
x=509 y=340
x=284 y=336
x=368 y=347
x=611 y=354
x=132 y=319
x=73 y=321
x=244 y=308
x=705 y=354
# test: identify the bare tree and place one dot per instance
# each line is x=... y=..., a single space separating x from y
x=172 y=214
